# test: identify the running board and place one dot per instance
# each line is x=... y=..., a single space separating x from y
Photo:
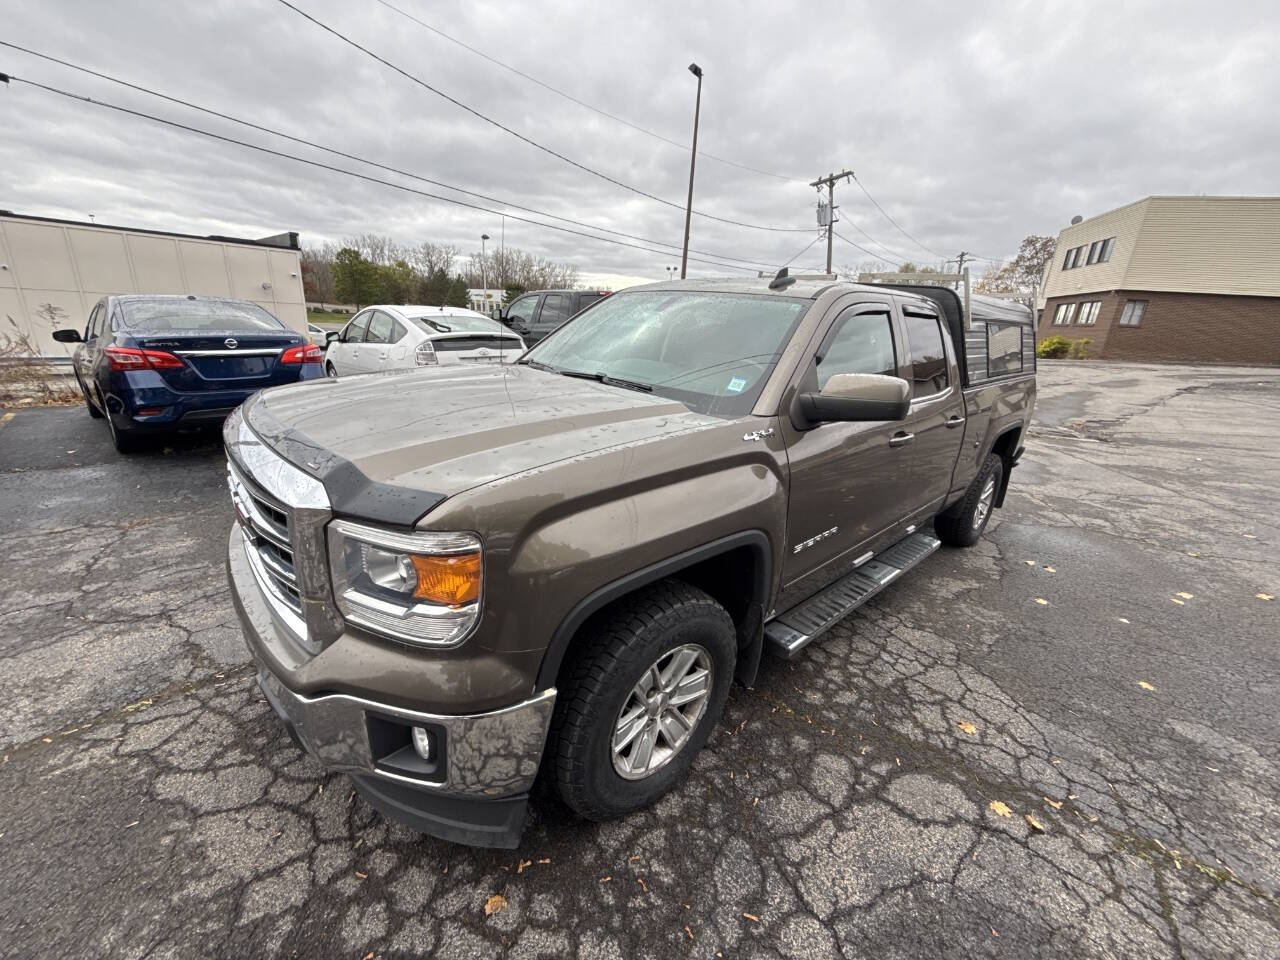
x=791 y=631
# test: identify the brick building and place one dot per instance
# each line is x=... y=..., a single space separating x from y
x=1183 y=279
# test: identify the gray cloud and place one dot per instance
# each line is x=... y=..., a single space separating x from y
x=971 y=130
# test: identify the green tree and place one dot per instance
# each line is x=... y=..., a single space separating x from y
x=457 y=293
x=512 y=291
x=396 y=282
x=355 y=279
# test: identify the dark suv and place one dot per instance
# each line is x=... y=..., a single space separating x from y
x=534 y=315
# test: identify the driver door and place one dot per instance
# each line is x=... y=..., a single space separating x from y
x=848 y=480
x=345 y=350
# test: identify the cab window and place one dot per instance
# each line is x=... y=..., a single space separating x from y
x=555 y=311
x=379 y=328
x=860 y=342
x=353 y=332
x=522 y=310
x=927 y=355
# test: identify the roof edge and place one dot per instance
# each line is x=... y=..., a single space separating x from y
x=280 y=241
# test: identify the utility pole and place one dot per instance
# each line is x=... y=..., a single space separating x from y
x=693 y=159
x=829 y=181
x=963 y=256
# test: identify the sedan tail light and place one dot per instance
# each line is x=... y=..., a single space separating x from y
x=303 y=353
x=425 y=355
x=131 y=358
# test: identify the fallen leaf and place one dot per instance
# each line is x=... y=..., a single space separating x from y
x=1192 y=553
x=1056 y=804
x=1250 y=536
x=688 y=931
x=134 y=824
x=1050 y=569
x=521 y=865
x=605 y=879
x=368 y=956
x=643 y=886
x=1184 y=595
x=362 y=876
x=752 y=917
x=1033 y=823
x=1181 y=603
x=1029 y=563
x=545 y=860
x=1123 y=619
x=1000 y=808
x=1042 y=601
x=494 y=904
x=1264 y=596
x=967 y=727
x=1144 y=685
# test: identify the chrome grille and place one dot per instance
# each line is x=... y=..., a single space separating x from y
x=268 y=533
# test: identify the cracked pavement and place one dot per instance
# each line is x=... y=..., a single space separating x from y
x=154 y=807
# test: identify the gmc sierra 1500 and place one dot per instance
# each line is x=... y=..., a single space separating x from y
x=451 y=579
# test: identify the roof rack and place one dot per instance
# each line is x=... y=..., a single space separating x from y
x=923 y=280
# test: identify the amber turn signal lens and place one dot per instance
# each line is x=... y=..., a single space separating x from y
x=450 y=580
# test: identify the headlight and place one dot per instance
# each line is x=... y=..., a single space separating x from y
x=418 y=587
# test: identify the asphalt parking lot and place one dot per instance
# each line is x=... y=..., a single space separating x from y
x=1100 y=664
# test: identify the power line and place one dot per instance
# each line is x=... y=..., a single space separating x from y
x=519 y=136
x=582 y=103
x=352 y=173
x=803 y=250
x=893 y=221
x=862 y=248
x=358 y=159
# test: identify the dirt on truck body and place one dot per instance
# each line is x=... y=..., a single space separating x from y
x=454 y=579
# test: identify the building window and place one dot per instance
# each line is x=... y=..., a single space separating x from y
x=1062 y=316
x=1133 y=311
x=1086 y=254
x=1094 y=248
x=1089 y=312
x=1107 y=246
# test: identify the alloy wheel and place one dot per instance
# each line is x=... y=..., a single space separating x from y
x=661 y=711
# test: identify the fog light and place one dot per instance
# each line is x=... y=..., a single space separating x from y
x=422 y=743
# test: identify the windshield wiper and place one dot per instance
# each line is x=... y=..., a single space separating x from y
x=606 y=379
x=539 y=365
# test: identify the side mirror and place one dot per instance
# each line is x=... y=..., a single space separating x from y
x=857 y=397
x=68 y=336
x=331 y=335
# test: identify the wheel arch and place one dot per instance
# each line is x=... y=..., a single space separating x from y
x=743 y=592
x=1007 y=446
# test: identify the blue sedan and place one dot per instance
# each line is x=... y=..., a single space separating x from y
x=151 y=364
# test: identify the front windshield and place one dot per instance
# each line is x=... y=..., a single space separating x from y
x=457 y=323
x=179 y=314
x=711 y=351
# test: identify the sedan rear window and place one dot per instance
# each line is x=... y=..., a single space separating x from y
x=457 y=323
x=196 y=315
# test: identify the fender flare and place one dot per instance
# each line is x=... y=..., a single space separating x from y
x=749 y=657
x=1019 y=428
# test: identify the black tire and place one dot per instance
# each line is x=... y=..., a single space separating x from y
x=960 y=525
x=124 y=441
x=635 y=635
x=89 y=404
x=330 y=372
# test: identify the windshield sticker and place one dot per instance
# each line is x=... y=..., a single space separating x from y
x=737 y=385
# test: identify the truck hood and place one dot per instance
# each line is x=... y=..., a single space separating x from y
x=389 y=447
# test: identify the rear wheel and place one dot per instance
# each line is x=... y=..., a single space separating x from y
x=642 y=701
x=124 y=441
x=329 y=371
x=88 y=401
x=963 y=522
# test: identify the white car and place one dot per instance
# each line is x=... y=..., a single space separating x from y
x=403 y=338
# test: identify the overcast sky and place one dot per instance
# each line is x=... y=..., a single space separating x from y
x=971 y=131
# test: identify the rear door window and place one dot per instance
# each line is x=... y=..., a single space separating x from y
x=521 y=311
x=555 y=311
x=926 y=353
x=397 y=331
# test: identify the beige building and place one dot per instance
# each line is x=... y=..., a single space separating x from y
x=52 y=272
x=1170 y=278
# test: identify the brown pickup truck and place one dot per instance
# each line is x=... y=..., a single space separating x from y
x=455 y=578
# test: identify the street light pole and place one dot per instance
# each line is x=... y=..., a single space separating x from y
x=484 y=274
x=693 y=160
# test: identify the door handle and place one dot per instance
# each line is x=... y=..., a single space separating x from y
x=954 y=422
x=901 y=439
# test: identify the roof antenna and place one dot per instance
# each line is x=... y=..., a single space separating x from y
x=782 y=280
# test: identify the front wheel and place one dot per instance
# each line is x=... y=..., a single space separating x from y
x=329 y=372
x=642 y=700
x=962 y=523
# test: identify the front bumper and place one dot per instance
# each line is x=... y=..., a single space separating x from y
x=474 y=791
